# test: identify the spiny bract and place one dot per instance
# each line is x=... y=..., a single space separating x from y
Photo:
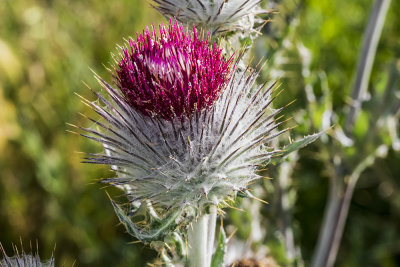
x=216 y=16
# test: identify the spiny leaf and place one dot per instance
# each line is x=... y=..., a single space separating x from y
x=218 y=257
x=169 y=222
x=180 y=245
x=296 y=145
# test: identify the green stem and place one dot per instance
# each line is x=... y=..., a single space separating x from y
x=337 y=211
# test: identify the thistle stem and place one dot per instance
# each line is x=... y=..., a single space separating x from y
x=201 y=240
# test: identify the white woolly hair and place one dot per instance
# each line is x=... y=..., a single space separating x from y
x=194 y=162
x=218 y=16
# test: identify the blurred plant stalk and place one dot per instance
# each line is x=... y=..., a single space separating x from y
x=366 y=60
x=285 y=181
x=342 y=183
x=344 y=167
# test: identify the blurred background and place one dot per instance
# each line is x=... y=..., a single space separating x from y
x=48 y=196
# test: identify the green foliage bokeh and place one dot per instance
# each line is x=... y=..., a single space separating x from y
x=46 y=194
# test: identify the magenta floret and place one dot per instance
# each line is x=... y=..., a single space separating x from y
x=173 y=74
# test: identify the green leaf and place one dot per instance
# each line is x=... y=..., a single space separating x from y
x=245 y=42
x=180 y=245
x=154 y=233
x=218 y=257
x=166 y=261
x=296 y=145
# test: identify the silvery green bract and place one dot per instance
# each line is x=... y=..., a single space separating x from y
x=200 y=160
x=26 y=260
x=23 y=260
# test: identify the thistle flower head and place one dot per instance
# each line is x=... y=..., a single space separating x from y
x=207 y=138
x=217 y=16
x=172 y=74
x=21 y=259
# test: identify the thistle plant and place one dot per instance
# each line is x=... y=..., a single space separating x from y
x=185 y=131
x=181 y=129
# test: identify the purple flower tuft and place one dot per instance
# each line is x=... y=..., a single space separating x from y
x=173 y=74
